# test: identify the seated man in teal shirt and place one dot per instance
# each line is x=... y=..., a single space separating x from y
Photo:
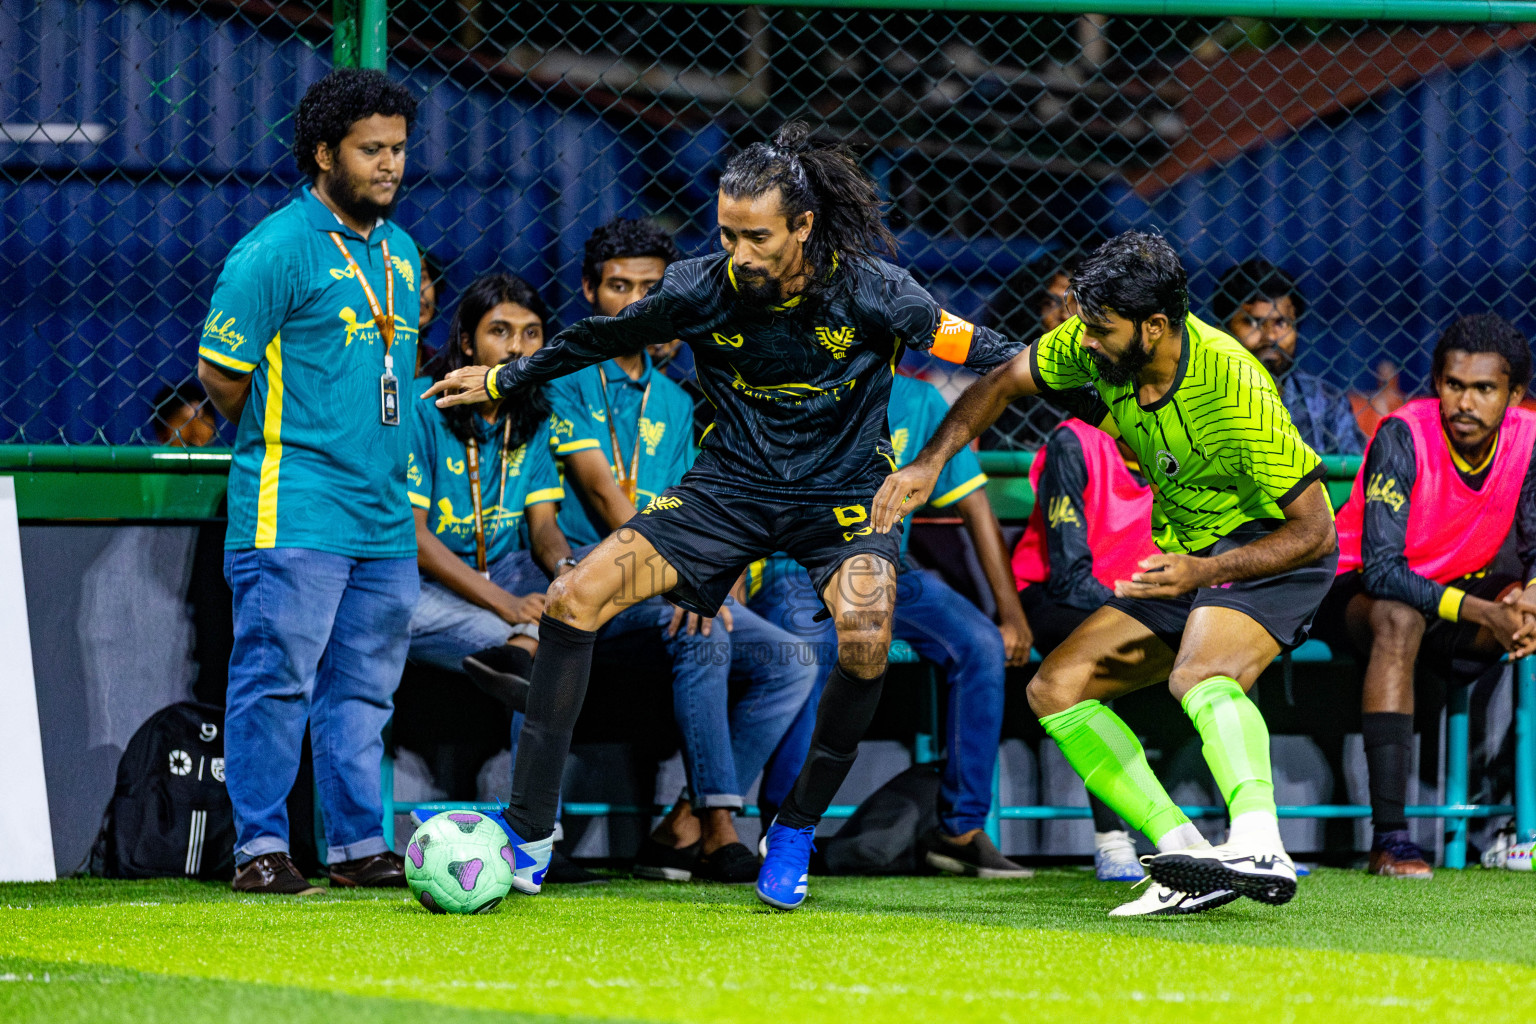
x=942 y=626
x=623 y=432
x=485 y=493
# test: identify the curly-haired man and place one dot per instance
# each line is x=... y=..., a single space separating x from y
x=312 y=323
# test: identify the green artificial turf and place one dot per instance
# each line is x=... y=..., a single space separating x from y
x=1350 y=947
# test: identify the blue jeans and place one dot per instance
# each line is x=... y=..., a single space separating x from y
x=446 y=628
x=725 y=741
x=318 y=638
x=943 y=627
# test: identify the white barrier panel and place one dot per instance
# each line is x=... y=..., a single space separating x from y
x=26 y=854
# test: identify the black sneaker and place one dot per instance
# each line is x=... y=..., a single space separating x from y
x=564 y=871
x=732 y=864
x=502 y=672
x=664 y=863
x=975 y=859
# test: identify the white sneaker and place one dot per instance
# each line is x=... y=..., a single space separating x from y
x=1114 y=857
x=1159 y=900
x=1266 y=875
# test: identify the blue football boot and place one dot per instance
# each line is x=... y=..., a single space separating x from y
x=783 y=879
x=528 y=861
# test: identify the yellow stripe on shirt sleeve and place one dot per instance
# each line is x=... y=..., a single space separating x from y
x=547 y=494
x=420 y=500
x=577 y=446
x=955 y=494
x=228 y=362
x=1450 y=604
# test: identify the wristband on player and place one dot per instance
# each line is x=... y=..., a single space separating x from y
x=566 y=562
x=490 y=381
x=1450 y=604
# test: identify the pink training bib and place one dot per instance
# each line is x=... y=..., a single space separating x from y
x=1118 y=509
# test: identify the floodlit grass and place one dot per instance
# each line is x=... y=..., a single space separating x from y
x=1350 y=947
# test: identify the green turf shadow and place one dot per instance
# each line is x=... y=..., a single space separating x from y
x=39 y=992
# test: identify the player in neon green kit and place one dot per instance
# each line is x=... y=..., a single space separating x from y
x=1249 y=551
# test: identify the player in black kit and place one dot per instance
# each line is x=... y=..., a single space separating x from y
x=796 y=329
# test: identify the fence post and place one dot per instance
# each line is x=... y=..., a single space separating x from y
x=344 y=33
x=372 y=33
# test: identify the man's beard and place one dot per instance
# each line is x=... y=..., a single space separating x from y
x=1276 y=360
x=1119 y=372
x=761 y=291
x=356 y=205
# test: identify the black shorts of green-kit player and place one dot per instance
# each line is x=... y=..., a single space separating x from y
x=709 y=537
x=1283 y=604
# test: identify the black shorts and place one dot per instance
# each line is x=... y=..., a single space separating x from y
x=710 y=537
x=1284 y=604
x=1448 y=646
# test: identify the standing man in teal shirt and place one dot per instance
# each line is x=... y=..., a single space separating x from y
x=311 y=330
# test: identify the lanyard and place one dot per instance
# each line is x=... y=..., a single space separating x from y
x=472 y=464
x=627 y=484
x=383 y=318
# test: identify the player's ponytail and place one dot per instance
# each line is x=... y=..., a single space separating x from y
x=823 y=180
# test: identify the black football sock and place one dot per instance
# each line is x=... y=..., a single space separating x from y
x=1104 y=819
x=847 y=707
x=555 y=696
x=1388 y=760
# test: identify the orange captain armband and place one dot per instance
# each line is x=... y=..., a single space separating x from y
x=952 y=341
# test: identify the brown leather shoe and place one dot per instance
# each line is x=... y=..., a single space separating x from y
x=1394 y=855
x=380 y=871
x=273 y=873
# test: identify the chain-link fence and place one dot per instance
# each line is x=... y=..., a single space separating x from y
x=1388 y=168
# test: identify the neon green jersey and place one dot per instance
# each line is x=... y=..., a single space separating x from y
x=1219 y=449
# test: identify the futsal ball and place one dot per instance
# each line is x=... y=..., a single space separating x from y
x=459 y=862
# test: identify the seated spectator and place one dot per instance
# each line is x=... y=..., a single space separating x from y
x=1031 y=306
x=623 y=433
x=1444 y=481
x=943 y=627
x=1091 y=526
x=486 y=495
x=1259 y=305
x=183 y=417
x=432 y=287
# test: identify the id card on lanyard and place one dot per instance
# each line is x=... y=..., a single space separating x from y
x=384 y=319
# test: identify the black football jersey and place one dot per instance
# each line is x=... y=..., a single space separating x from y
x=800 y=392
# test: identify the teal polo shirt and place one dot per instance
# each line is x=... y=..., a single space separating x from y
x=915 y=411
x=313 y=466
x=579 y=421
x=438 y=481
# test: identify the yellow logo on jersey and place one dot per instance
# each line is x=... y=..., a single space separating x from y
x=223 y=330
x=650 y=433
x=456 y=468
x=601 y=415
x=344 y=273
x=735 y=340
x=404 y=269
x=514 y=460
x=661 y=504
x=899 y=439
x=852 y=515
x=1385 y=490
x=1059 y=511
x=412 y=471
x=837 y=342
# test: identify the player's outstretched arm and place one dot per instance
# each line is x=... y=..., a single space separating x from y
x=582 y=344
x=977 y=409
x=1306 y=535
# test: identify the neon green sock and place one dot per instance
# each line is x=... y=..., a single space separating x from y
x=1104 y=751
x=1235 y=742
